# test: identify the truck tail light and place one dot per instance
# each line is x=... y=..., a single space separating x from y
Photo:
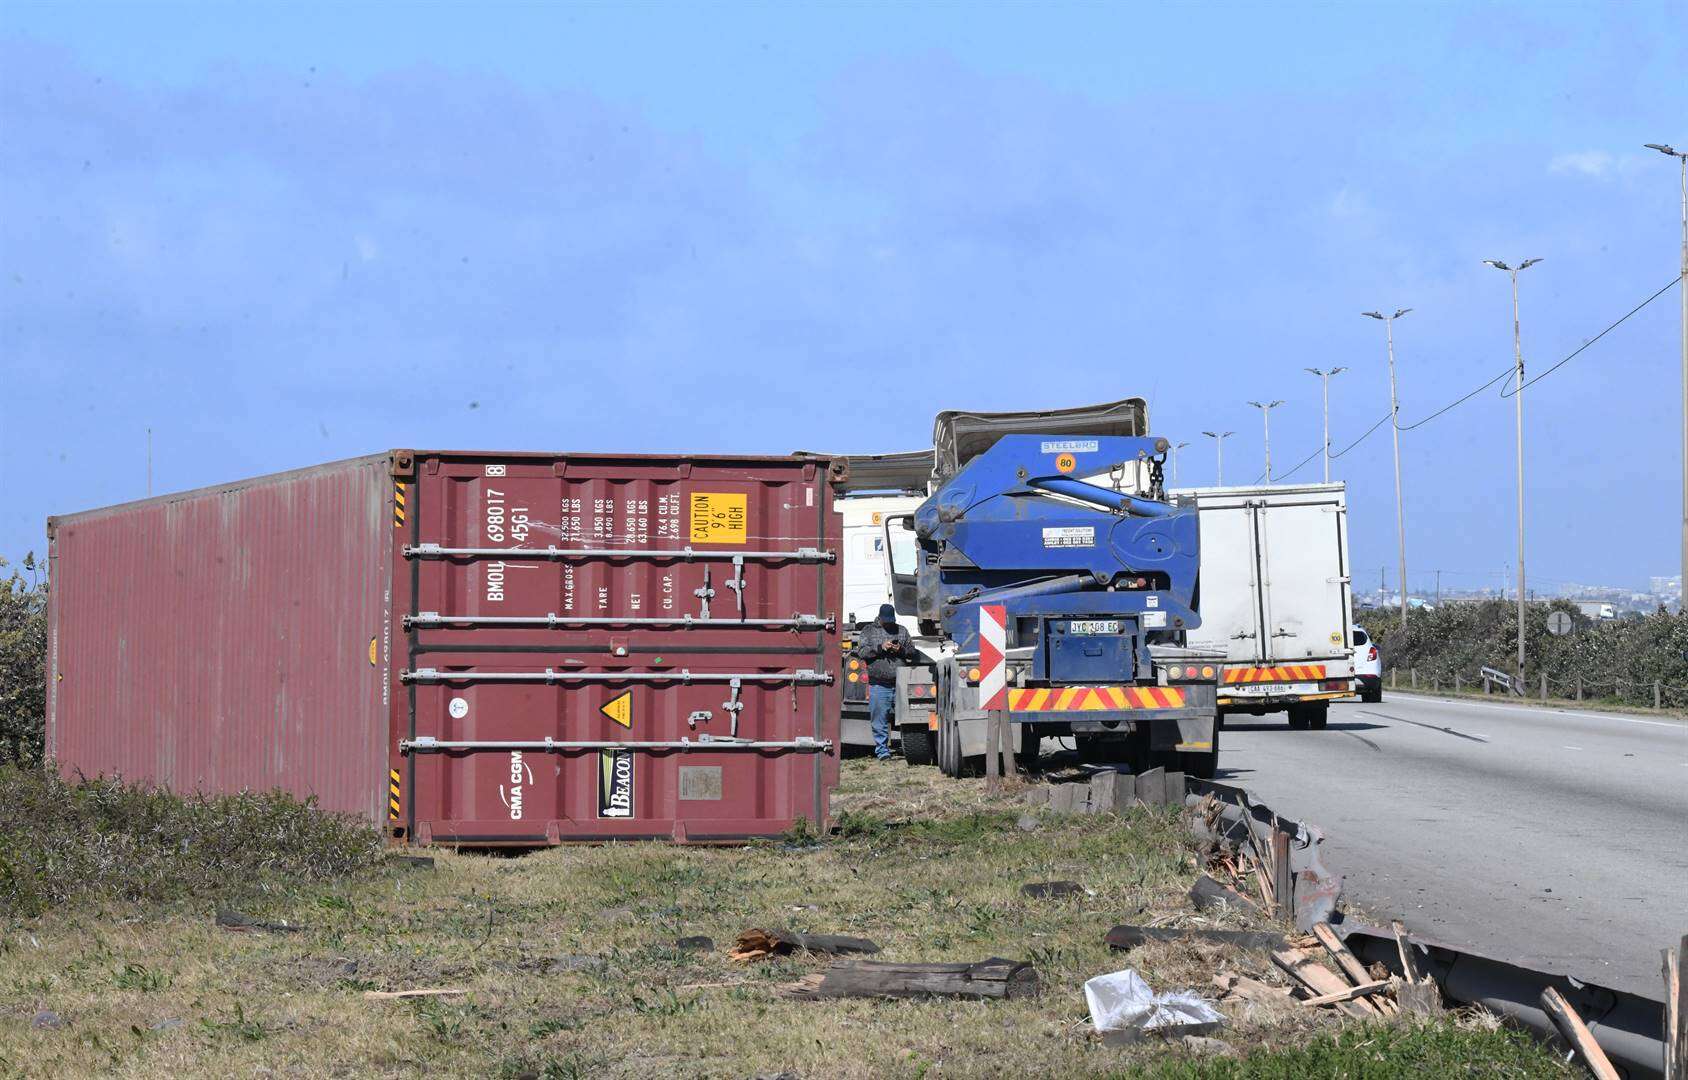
x=1335 y=684
x=973 y=675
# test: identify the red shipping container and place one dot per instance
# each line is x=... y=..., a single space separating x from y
x=476 y=648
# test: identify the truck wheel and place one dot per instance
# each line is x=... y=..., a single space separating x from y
x=919 y=745
x=1318 y=714
x=1298 y=717
x=1201 y=764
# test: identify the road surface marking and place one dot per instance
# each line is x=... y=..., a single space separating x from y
x=1559 y=712
x=1573 y=748
x=1430 y=727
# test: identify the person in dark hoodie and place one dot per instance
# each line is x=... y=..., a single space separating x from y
x=883 y=646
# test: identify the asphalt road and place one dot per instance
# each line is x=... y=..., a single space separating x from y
x=1553 y=838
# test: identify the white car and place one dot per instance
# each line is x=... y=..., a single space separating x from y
x=1368 y=667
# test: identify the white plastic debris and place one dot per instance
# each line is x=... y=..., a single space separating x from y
x=1124 y=1008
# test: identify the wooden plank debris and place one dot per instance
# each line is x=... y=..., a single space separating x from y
x=397 y=995
x=755 y=944
x=1348 y=963
x=1409 y=961
x=1676 y=1024
x=1576 y=1033
x=1351 y=993
x=1207 y=894
x=1130 y=937
x=987 y=979
x=1303 y=966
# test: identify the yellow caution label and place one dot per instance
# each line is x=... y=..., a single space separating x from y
x=372 y=652
x=719 y=517
x=1066 y=463
x=620 y=708
x=398 y=504
x=393 y=794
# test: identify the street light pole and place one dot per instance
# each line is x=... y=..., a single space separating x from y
x=1324 y=378
x=1518 y=401
x=1266 y=408
x=1175 y=448
x=1682 y=289
x=1219 y=438
x=1395 y=428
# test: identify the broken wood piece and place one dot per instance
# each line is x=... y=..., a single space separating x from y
x=395 y=995
x=1207 y=893
x=755 y=944
x=1576 y=1033
x=1348 y=963
x=1129 y=937
x=1069 y=798
x=1419 y=998
x=1409 y=962
x=1351 y=993
x=993 y=978
x=1047 y=890
x=1676 y=1024
x=1111 y=792
x=1304 y=967
x=1245 y=988
x=1151 y=787
x=234 y=920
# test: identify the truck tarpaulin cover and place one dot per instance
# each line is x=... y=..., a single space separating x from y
x=548 y=647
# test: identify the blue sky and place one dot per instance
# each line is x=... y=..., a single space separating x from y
x=281 y=235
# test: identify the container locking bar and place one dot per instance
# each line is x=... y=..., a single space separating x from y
x=799 y=678
x=427 y=744
x=685 y=554
x=433 y=619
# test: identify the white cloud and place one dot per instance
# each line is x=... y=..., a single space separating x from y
x=1585 y=162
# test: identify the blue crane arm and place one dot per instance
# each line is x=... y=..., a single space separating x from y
x=1018 y=526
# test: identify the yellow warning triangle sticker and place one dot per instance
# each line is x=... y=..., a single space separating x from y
x=620 y=708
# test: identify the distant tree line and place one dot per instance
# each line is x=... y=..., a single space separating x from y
x=1617 y=659
x=23 y=662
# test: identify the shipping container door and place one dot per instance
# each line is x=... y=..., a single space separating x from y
x=1230 y=600
x=1305 y=592
x=616 y=647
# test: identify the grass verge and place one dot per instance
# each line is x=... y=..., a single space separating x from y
x=571 y=968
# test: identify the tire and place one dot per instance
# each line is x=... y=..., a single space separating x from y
x=919 y=745
x=1297 y=718
x=1025 y=755
x=1103 y=749
x=1318 y=715
x=1373 y=697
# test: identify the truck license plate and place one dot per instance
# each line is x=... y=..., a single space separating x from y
x=1094 y=627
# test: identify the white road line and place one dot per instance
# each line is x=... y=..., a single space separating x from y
x=1557 y=712
x=1573 y=748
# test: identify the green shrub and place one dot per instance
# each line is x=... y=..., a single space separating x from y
x=23 y=659
x=1617 y=659
x=103 y=840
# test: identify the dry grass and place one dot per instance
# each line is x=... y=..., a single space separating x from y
x=569 y=959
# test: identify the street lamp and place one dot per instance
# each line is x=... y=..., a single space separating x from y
x=1395 y=427
x=1324 y=377
x=1175 y=448
x=1518 y=401
x=1219 y=438
x=1266 y=408
x=1682 y=288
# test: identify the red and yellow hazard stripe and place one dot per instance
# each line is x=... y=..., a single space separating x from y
x=1094 y=698
x=1282 y=673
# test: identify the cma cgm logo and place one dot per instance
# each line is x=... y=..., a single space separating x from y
x=521 y=777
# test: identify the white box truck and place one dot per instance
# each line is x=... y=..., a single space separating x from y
x=1276 y=599
x=867 y=584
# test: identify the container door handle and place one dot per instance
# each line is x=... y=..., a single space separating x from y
x=737 y=582
x=706 y=593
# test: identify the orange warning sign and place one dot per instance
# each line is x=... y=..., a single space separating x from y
x=1066 y=463
x=620 y=708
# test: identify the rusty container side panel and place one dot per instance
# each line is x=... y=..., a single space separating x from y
x=618 y=638
x=230 y=638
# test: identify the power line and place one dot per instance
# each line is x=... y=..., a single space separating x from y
x=1503 y=376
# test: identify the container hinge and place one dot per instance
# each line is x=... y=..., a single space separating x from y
x=426 y=674
x=734 y=706
x=701 y=716
x=706 y=593
x=737 y=582
x=427 y=548
x=422 y=743
x=816 y=554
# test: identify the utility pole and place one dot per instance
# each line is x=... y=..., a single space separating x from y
x=1219 y=438
x=1324 y=378
x=1382 y=588
x=1266 y=408
x=1681 y=157
x=1175 y=448
x=1518 y=401
x=1438 y=588
x=1395 y=428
